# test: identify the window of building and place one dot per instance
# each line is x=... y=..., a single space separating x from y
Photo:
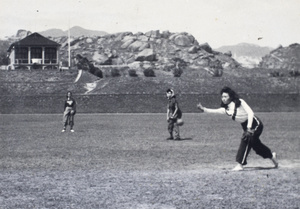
x=50 y=55
x=21 y=54
x=36 y=52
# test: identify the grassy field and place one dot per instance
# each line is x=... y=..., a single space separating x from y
x=125 y=161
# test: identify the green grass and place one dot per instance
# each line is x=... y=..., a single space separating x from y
x=124 y=161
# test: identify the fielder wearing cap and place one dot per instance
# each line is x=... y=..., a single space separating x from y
x=173 y=114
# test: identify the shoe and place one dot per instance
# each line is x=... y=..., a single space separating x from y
x=63 y=130
x=170 y=138
x=72 y=130
x=274 y=160
x=178 y=138
x=238 y=167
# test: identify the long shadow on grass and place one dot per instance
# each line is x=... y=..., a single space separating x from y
x=184 y=139
x=181 y=139
x=258 y=168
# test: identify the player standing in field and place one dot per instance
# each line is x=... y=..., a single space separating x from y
x=239 y=111
x=69 y=112
x=173 y=114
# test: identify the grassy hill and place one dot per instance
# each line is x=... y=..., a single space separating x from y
x=192 y=81
x=43 y=91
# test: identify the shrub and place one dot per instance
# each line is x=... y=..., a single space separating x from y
x=22 y=68
x=218 y=72
x=294 y=73
x=36 y=66
x=132 y=73
x=180 y=63
x=276 y=74
x=85 y=68
x=82 y=63
x=65 y=63
x=98 y=73
x=149 y=73
x=115 y=72
x=92 y=69
x=177 y=72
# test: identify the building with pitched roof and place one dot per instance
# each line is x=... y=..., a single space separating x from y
x=34 y=51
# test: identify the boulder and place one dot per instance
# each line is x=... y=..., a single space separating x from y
x=100 y=40
x=117 y=61
x=182 y=40
x=147 y=65
x=134 y=65
x=228 y=53
x=128 y=37
x=143 y=38
x=138 y=46
x=120 y=36
x=206 y=47
x=22 y=34
x=127 y=43
x=153 y=34
x=165 y=34
x=101 y=59
x=146 y=55
x=193 y=50
x=130 y=59
x=89 y=40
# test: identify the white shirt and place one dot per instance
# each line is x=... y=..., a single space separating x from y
x=243 y=112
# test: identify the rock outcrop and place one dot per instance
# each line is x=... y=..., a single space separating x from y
x=22 y=34
x=159 y=48
x=283 y=58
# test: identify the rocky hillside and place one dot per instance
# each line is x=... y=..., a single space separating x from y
x=248 y=55
x=286 y=59
x=158 y=50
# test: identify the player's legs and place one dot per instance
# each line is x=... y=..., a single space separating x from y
x=247 y=142
x=261 y=149
x=243 y=151
x=176 y=131
x=258 y=146
x=71 y=121
x=170 y=128
x=66 y=119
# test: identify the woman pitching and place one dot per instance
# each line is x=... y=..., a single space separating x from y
x=239 y=111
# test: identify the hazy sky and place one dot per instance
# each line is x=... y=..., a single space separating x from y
x=217 y=22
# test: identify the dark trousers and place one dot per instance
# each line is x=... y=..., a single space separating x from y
x=68 y=118
x=172 y=126
x=252 y=142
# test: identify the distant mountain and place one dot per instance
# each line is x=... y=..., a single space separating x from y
x=249 y=55
x=53 y=33
x=75 y=31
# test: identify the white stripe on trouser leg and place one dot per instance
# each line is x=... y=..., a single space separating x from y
x=245 y=154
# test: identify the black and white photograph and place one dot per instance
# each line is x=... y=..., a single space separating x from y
x=135 y=104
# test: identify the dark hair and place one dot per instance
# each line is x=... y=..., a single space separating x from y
x=169 y=90
x=68 y=93
x=234 y=97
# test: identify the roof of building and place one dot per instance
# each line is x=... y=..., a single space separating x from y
x=35 y=39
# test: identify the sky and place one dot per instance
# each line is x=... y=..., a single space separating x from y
x=216 y=22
